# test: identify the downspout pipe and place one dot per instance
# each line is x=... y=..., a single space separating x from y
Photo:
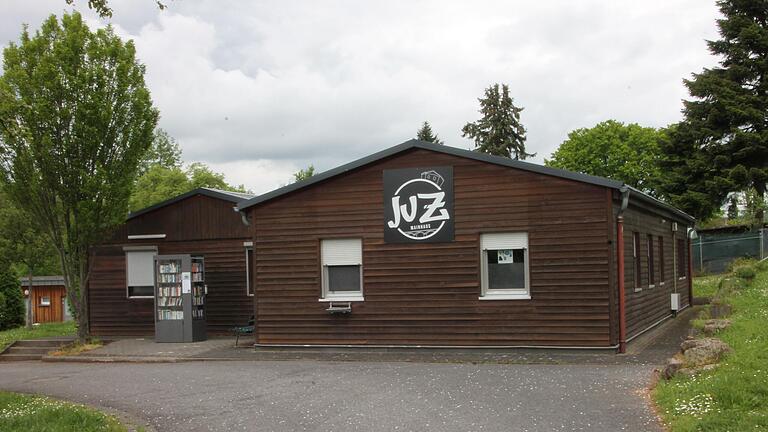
x=620 y=265
x=691 y=234
x=243 y=217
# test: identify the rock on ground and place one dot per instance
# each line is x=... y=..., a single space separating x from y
x=713 y=326
x=697 y=352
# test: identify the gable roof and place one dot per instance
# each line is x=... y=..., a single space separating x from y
x=468 y=154
x=233 y=197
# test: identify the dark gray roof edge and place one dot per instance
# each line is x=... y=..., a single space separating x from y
x=454 y=151
x=42 y=280
x=657 y=202
x=234 y=197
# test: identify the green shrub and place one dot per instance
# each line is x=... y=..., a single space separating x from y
x=745 y=271
x=12 y=301
x=740 y=262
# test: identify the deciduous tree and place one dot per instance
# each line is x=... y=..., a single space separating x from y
x=165 y=152
x=624 y=152
x=76 y=119
x=304 y=174
x=160 y=183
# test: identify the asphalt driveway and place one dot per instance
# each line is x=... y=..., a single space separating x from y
x=352 y=396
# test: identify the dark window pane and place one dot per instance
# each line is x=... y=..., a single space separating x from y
x=248 y=261
x=506 y=276
x=518 y=255
x=141 y=291
x=344 y=278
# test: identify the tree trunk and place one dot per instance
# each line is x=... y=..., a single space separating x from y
x=760 y=212
x=83 y=326
x=30 y=308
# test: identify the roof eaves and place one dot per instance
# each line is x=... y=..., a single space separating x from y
x=213 y=193
x=657 y=202
x=483 y=157
x=497 y=160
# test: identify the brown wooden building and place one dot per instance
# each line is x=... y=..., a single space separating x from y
x=429 y=245
x=201 y=222
x=47 y=297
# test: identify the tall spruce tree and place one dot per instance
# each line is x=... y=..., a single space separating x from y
x=499 y=131
x=725 y=121
x=425 y=134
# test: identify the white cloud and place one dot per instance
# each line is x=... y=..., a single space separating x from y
x=260 y=89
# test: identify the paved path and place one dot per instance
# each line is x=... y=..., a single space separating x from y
x=352 y=396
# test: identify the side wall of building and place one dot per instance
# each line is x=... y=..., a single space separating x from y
x=428 y=294
x=649 y=302
x=199 y=225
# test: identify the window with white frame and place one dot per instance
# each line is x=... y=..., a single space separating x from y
x=342 y=261
x=504 y=266
x=140 y=272
x=249 y=270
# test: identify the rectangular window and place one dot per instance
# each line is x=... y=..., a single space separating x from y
x=682 y=263
x=45 y=301
x=636 y=260
x=140 y=273
x=651 y=263
x=662 y=263
x=248 y=270
x=504 y=266
x=342 y=261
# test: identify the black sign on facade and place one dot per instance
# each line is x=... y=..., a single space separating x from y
x=418 y=205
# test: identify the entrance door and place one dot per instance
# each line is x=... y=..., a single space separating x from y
x=48 y=302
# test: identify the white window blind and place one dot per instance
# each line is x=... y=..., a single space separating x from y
x=499 y=241
x=342 y=252
x=140 y=268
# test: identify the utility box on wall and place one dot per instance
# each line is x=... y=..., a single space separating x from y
x=675 y=302
x=180 y=298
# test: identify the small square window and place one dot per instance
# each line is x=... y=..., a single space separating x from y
x=504 y=272
x=342 y=277
x=45 y=301
x=140 y=272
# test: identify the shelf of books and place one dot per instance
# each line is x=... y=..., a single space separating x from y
x=198 y=288
x=180 y=298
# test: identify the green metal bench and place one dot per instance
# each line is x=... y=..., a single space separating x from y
x=244 y=330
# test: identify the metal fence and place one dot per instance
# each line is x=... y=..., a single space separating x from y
x=712 y=253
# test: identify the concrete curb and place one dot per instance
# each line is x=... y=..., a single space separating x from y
x=128 y=359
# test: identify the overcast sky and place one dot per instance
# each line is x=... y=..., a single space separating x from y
x=259 y=89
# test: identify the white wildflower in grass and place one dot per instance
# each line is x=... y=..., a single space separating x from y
x=697 y=406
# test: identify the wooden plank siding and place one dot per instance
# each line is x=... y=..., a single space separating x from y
x=54 y=312
x=427 y=294
x=198 y=225
x=646 y=306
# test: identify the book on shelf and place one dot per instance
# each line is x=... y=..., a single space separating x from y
x=165 y=314
x=169 y=301
x=169 y=278
x=170 y=267
x=169 y=291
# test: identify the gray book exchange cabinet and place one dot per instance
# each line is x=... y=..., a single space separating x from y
x=180 y=298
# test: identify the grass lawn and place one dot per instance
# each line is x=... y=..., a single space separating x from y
x=27 y=413
x=705 y=286
x=734 y=396
x=37 y=332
